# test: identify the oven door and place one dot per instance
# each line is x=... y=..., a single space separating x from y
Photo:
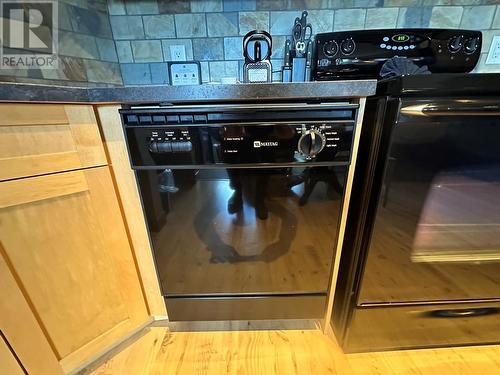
x=436 y=231
x=243 y=231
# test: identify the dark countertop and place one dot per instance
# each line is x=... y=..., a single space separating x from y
x=21 y=92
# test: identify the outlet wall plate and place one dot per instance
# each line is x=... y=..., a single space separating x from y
x=184 y=73
x=494 y=52
x=178 y=52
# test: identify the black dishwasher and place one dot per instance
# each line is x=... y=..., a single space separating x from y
x=242 y=204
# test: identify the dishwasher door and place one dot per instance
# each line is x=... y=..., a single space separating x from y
x=436 y=230
x=243 y=231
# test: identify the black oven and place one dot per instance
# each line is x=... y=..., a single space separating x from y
x=422 y=249
x=243 y=204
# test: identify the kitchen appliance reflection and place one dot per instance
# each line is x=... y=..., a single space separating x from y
x=246 y=230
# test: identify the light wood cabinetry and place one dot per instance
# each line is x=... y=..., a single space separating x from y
x=44 y=138
x=63 y=236
x=111 y=128
x=21 y=328
x=8 y=362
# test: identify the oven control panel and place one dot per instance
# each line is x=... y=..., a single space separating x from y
x=361 y=54
x=162 y=138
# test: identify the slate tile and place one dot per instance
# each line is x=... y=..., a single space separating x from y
x=116 y=7
x=477 y=17
x=271 y=4
x=124 y=51
x=223 y=69
x=136 y=74
x=70 y=69
x=349 y=19
x=174 y=6
x=64 y=17
x=89 y=22
x=253 y=21
x=159 y=26
x=208 y=49
x=238 y=5
x=340 y=4
x=205 y=72
x=282 y=22
x=233 y=48
x=278 y=51
x=401 y=3
x=127 y=27
x=446 y=16
x=307 y=4
x=147 y=51
x=141 y=7
x=414 y=17
x=77 y=45
x=496 y=20
x=103 y=72
x=190 y=25
x=321 y=20
x=222 y=24
x=107 y=49
x=381 y=18
x=204 y=6
x=159 y=73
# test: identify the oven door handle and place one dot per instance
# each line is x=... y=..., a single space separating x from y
x=455 y=109
x=464 y=313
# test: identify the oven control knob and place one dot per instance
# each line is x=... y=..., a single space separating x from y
x=330 y=48
x=347 y=46
x=455 y=43
x=471 y=45
x=311 y=143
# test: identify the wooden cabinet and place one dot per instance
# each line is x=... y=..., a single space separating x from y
x=20 y=328
x=8 y=362
x=62 y=233
x=44 y=138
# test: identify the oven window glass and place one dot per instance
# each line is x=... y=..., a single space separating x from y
x=436 y=233
x=243 y=230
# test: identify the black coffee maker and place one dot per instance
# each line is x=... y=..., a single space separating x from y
x=257 y=47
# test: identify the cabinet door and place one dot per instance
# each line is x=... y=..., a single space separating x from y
x=37 y=139
x=8 y=363
x=20 y=328
x=65 y=239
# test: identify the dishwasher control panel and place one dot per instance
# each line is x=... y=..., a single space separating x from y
x=166 y=138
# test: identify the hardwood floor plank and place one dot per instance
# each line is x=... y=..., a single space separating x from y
x=284 y=352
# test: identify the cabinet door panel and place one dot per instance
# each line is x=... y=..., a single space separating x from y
x=21 y=329
x=65 y=238
x=39 y=138
x=8 y=363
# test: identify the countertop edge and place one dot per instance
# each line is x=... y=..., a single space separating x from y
x=25 y=92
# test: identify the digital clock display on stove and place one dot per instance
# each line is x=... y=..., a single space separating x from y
x=400 y=38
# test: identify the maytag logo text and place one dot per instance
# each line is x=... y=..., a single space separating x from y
x=257 y=144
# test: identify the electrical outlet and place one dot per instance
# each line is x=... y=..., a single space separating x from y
x=494 y=52
x=178 y=52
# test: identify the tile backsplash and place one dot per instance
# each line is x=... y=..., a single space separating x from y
x=87 y=53
x=129 y=42
x=212 y=31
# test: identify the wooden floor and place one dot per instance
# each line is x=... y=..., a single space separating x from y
x=159 y=351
